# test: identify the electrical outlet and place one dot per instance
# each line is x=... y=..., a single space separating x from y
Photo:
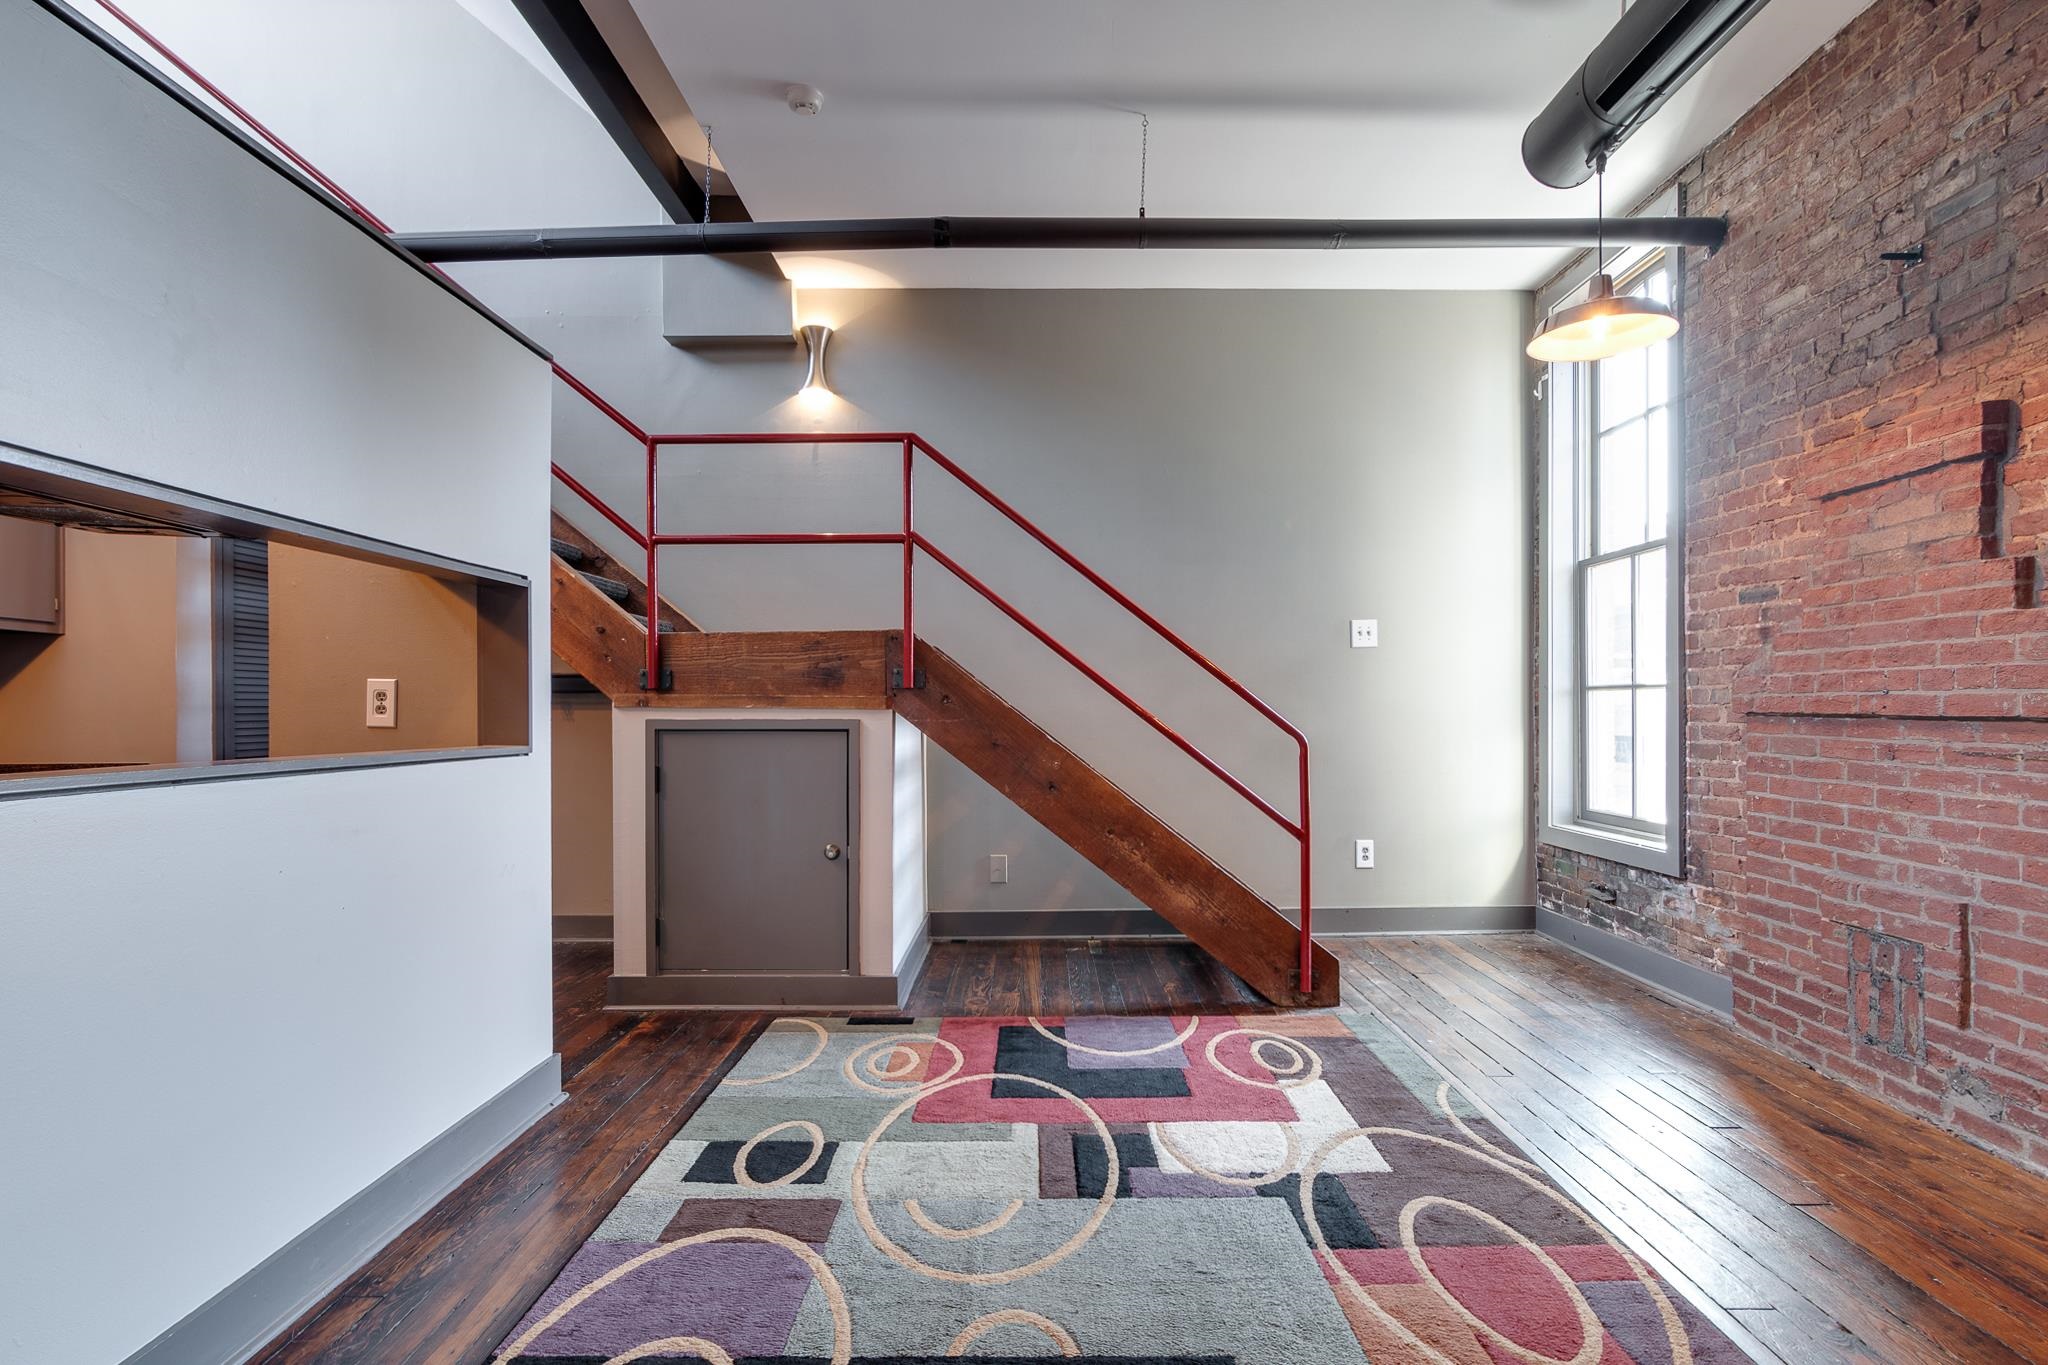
x=998 y=868
x=380 y=704
x=1365 y=853
x=1365 y=634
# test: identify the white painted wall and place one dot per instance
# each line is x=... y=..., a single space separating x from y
x=229 y=1007
x=907 y=847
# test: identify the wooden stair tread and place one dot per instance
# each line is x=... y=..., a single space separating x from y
x=590 y=557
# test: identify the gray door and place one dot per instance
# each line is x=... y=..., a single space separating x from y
x=753 y=839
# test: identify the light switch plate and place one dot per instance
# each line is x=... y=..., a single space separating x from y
x=380 y=704
x=1365 y=853
x=998 y=868
x=1365 y=634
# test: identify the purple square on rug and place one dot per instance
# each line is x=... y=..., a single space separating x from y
x=1149 y=1182
x=1123 y=1035
x=743 y=1295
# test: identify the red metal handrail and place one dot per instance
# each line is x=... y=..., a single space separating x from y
x=909 y=537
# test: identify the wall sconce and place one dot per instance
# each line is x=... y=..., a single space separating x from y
x=816 y=335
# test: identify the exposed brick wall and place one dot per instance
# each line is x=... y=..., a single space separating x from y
x=1867 y=511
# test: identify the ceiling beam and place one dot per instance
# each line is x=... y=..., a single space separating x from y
x=1159 y=234
x=573 y=40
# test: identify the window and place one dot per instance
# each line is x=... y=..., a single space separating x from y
x=150 y=635
x=1612 y=645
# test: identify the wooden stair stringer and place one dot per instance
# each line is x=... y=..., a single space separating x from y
x=593 y=634
x=1105 y=825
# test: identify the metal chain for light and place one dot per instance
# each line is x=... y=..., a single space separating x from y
x=1144 y=156
x=706 y=219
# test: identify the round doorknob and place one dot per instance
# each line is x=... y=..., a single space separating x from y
x=831 y=853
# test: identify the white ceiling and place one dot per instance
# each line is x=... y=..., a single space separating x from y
x=1280 y=108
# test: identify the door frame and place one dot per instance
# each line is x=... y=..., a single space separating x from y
x=850 y=728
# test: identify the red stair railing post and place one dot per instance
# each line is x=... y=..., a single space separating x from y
x=909 y=562
x=652 y=680
x=1308 y=964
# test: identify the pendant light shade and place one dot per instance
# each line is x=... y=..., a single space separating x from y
x=1606 y=324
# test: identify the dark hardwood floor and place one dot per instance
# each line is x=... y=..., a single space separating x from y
x=1827 y=1226
x=1815 y=1223
x=1076 y=976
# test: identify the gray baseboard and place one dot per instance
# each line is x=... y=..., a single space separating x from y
x=240 y=1320
x=1641 y=961
x=1050 y=924
x=1393 y=919
x=824 y=992
x=583 y=928
x=1425 y=919
x=912 y=965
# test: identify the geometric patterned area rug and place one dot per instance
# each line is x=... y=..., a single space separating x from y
x=1280 y=1189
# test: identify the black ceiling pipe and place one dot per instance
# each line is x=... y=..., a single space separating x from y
x=1656 y=48
x=1163 y=234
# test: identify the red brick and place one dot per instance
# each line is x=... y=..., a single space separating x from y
x=1908 y=776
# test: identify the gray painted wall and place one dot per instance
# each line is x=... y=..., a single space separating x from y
x=1257 y=468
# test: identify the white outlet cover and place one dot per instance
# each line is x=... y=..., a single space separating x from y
x=380 y=704
x=998 y=868
x=1365 y=634
x=1365 y=853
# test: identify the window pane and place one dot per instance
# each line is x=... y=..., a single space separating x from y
x=1659 y=374
x=1657 y=475
x=1650 y=772
x=1650 y=613
x=1655 y=285
x=1623 y=391
x=1619 y=495
x=1609 y=647
x=1610 y=757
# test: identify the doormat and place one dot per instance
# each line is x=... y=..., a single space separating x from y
x=1286 y=1190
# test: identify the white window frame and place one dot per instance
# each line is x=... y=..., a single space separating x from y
x=1562 y=818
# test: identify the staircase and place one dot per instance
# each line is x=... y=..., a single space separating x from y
x=600 y=615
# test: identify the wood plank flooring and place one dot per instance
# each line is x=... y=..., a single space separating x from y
x=1077 y=976
x=1827 y=1226
x=1816 y=1223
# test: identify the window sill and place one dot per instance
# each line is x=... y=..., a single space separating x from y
x=1650 y=855
x=102 y=779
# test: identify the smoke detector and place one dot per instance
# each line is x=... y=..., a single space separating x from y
x=804 y=99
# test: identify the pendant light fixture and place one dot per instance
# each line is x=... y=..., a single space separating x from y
x=1606 y=324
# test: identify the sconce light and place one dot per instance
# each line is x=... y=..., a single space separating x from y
x=815 y=337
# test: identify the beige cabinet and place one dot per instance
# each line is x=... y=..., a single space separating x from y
x=31 y=576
